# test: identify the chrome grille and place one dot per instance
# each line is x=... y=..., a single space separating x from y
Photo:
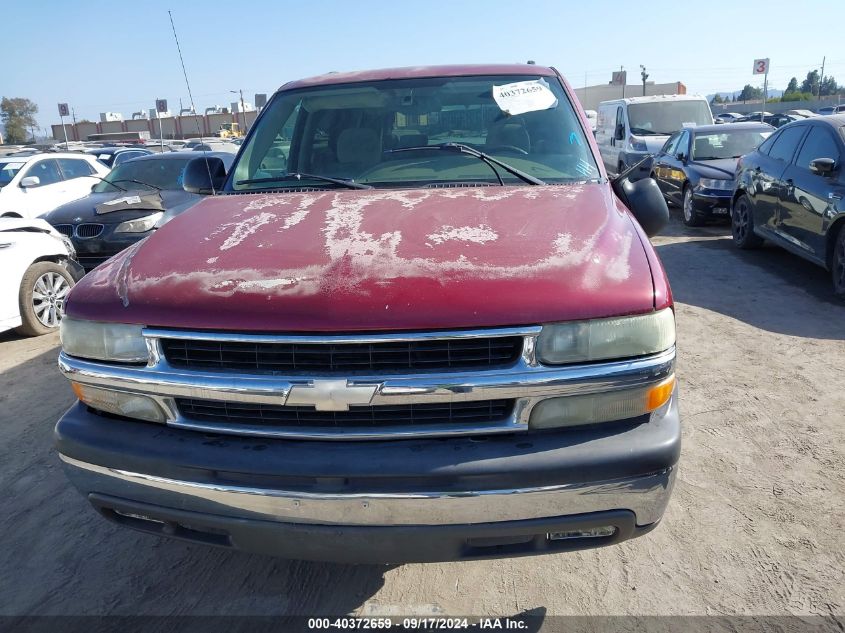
x=389 y=356
x=256 y=414
x=64 y=229
x=88 y=230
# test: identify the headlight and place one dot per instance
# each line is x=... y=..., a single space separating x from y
x=140 y=225
x=600 y=339
x=130 y=405
x=609 y=406
x=103 y=341
x=716 y=183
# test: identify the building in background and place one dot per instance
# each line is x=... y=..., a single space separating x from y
x=591 y=96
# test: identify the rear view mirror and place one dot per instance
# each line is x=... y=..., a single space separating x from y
x=204 y=175
x=823 y=166
x=30 y=181
x=643 y=198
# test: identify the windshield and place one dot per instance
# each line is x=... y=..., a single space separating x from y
x=716 y=145
x=161 y=174
x=667 y=117
x=8 y=169
x=354 y=131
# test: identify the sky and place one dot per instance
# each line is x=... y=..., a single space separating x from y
x=119 y=56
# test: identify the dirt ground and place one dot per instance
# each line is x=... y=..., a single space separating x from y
x=754 y=527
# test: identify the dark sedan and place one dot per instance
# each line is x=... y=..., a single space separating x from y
x=114 y=156
x=134 y=199
x=790 y=191
x=695 y=168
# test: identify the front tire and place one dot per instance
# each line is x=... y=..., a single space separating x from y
x=742 y=224
x=692 y=217
x=837 y=267
x=41 y=298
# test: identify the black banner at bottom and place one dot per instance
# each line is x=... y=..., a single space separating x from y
x=527 y=622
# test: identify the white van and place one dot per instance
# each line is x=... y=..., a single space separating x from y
x=628 y=130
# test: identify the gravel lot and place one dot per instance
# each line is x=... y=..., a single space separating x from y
x=754 y=527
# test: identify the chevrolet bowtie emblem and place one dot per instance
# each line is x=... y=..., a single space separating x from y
x=330 y=395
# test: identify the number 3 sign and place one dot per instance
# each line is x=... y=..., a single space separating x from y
x=761 y=66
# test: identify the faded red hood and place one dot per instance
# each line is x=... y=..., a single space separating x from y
x=379 y=260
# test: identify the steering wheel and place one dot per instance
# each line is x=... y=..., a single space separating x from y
x=507 y=148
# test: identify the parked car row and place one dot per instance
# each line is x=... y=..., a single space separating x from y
x=94 y=212
x=783 y=185
x=775 y=176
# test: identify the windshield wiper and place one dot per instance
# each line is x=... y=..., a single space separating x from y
x=108 y=182
x=139 y=182
x=644 y=132
x=460 y=148
x=345 y=182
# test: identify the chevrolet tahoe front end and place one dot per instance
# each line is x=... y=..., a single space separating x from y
x=385 y=354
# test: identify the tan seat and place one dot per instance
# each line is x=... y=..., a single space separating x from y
x=507 y=133
x=358 y=149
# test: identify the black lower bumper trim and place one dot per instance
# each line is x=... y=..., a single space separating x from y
x=355 y=544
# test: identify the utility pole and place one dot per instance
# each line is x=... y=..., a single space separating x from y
x=241 y=92
x=644 y=75
x=821 y=77
x=75 y=133
x=624 y=80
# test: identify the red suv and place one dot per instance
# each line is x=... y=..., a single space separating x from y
x=413 y=322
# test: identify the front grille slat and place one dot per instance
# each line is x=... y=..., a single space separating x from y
x=64 y=229
x=459 y=353
x=88 y=230
x=462 y=413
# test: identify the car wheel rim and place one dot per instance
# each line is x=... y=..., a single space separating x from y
x=687 y=205
x=840 y=265
x=740 y=222
x=48 y=298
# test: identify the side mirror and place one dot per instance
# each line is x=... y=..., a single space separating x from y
x=204 y=175
x=823 y=166
x=30 y=181
x=644 y=199
x=681 y=156
x=620 y=132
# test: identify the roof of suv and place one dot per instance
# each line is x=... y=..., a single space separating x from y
x=417 y=72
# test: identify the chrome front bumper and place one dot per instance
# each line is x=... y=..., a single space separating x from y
x=646 y=496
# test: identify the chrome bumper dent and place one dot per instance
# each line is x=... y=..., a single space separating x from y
x=646 y=496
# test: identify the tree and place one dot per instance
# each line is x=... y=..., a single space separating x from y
x=828 y=87
x=792 y=86
x=811 y=83
x=717 y=98
x=750 y=93
x=17 y=114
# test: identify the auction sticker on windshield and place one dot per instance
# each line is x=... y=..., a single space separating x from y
x=524 y=96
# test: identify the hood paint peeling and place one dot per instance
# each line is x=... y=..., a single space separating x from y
x=334 y=261
x=478 y=234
